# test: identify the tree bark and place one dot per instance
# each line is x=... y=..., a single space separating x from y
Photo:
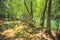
x=49 y=17
x=42 y=19
x=58 y=30
x=48 y=29
x=30 y=13
x=58 y=26
x=26 y=7
x=31 y=10
x=58 y=17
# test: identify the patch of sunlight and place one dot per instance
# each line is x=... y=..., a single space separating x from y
x=31 y=35
x=8 y=33
x=19 y=38
x=18 y=28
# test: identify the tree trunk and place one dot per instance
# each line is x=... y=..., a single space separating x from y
x=26 y=7
x=58 y=17
x=58 y=30
x=42 y=19
x=30 y=13
x=49 y=17
x=48 y=29
x=1 y=23
x=58 y=26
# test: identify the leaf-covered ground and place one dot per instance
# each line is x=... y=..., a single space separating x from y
x=24 y=32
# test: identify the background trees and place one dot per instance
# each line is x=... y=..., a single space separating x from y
x=41 y=13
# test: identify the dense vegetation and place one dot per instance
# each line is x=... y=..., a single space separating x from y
x=29 y=17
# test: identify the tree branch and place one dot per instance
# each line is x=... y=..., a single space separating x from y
x=26 y=7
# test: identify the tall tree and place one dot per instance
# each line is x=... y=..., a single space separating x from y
x=30 y=12
x=58 y=17
x=48 y=29
x=49 y=16
x=43 y=15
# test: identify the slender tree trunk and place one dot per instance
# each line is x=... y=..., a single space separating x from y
x=49 y=17
x=31 y=10
x=30 y=13
x=1 y=23
x=58 y=30
x=26 y=7
x=48 y=29
x=58 y=26
x=58 y=17
x=42 y=19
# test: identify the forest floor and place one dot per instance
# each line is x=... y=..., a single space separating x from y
x=19 y=33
